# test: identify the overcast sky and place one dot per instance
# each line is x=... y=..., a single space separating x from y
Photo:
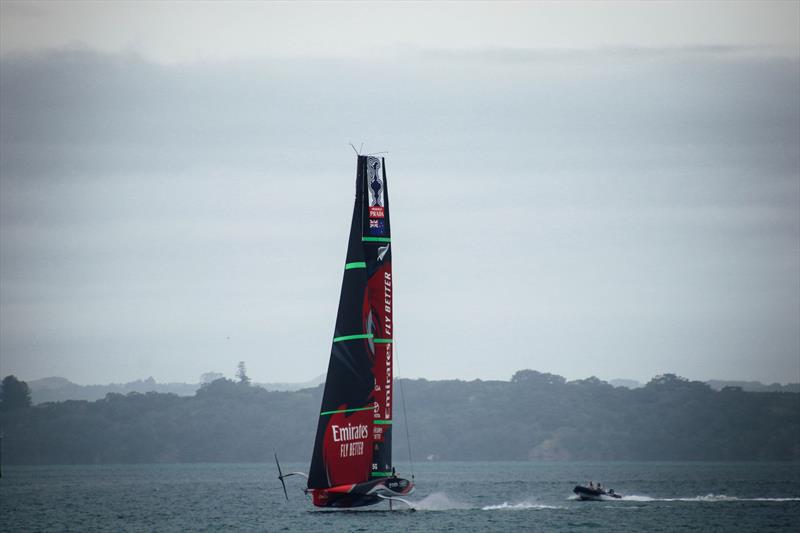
x=607 y=189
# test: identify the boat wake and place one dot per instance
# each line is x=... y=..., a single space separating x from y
x=439 y=501
x=505 y=506
x=707 y=498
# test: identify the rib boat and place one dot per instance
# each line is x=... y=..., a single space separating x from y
x=594 y=493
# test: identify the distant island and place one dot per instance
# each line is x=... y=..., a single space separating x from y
x=534 y=416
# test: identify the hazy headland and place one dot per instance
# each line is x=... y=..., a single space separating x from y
x=534 y=416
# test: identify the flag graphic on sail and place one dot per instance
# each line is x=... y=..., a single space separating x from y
x=353 y=441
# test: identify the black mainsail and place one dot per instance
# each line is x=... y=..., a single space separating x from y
x=352 y=460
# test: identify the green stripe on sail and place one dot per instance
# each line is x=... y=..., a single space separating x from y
x=358 y=264
x=385 y=422
x=382 y=341
x=376 y=239
x=351 y=337
x=381 y=474
x=347 y=410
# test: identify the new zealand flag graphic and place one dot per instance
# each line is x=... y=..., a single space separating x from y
x=376 y=226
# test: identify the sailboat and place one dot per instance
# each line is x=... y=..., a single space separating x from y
x=351 y=465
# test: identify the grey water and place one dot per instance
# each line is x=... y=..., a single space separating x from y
x=450 y=496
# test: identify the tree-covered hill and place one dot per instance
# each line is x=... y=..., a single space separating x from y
x=534 y=416
x=58 y=389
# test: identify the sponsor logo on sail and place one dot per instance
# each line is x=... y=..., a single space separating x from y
x=387 y=329
x=375 y=182
x=351 y=439
x=349 y=432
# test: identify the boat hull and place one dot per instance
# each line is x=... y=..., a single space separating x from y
x=361 y=494
x=586 y=493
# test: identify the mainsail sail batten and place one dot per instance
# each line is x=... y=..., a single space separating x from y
x=353 y=441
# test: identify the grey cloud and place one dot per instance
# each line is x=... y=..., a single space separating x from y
x=612 y=212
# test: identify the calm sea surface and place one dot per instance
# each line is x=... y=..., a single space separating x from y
x=449 y=497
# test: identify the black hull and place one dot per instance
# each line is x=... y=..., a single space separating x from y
x=349 y=501
x=362 y=494
x=586 y=493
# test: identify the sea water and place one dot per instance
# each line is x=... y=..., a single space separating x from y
x=488 y=496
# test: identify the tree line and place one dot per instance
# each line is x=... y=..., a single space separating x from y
x=534 y=416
